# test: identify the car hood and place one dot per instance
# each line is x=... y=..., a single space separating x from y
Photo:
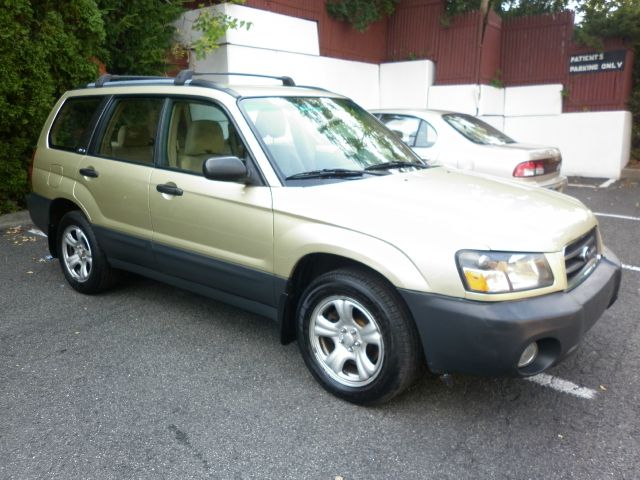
x=440 y=210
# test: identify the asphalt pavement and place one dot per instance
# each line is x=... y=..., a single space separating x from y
x=148 y=381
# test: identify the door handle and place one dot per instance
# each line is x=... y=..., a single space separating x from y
x=169 y=189
x=88 y=172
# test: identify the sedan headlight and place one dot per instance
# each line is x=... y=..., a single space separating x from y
x=503 y=272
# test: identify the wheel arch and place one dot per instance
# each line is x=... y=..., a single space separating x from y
x=305 y=271
x=58 y=209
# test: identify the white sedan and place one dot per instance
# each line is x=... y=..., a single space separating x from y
x=465 y=142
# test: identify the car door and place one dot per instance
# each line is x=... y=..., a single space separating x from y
x=215 y=234
x=113 y=178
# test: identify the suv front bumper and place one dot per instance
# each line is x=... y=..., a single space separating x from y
x=488 y=338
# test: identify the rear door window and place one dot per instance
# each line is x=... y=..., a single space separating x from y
x=130 y=132
x=71 y=128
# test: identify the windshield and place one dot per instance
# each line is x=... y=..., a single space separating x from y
x=310 y=134
x=476 y=130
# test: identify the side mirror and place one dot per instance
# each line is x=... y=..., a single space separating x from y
x=224 y=169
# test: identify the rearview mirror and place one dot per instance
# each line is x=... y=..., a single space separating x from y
x=225 y=169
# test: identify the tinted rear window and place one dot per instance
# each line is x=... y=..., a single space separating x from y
x=69 y=129
x=476 y=130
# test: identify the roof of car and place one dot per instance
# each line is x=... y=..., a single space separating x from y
x=412 y=111
x=188 y=79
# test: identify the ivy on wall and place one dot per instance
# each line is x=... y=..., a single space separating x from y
x=361 y=13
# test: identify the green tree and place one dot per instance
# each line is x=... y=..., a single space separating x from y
x=46 y=47
x=214 y=25
x=138 y=34
x=519 y=8
x=506 y=8
x=361 y=13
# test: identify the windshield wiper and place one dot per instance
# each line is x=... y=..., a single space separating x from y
x=327 y=173
x=397 y=164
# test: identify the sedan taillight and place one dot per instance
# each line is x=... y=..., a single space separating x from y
x=534 y=168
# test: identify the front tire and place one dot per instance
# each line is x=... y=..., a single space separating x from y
x=82 y=260
x=357 y=338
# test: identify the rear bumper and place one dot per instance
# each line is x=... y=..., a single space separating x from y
x=558 y=184
x=488 y=338
x=39 y=210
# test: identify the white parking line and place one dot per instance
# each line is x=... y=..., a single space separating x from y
x=613 y=215
x=631 y=267
x=564 y=386
x=40 y=233
x=605 y=184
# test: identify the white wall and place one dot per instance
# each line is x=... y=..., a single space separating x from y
x=356 y=80
x=406 y=84
x=533 y=100
x=459 y=98
x=593 y=144
x=268 y=30
x=491 y=101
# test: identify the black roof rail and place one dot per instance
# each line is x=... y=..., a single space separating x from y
x=185 y=75
x=107 y=77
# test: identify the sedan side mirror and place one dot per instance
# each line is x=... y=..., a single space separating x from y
x=224 y=169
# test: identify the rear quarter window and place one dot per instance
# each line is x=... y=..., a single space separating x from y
x=71 y=127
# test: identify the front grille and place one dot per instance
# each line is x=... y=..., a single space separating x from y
x=580 y=257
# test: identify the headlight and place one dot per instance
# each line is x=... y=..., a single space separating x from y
x=501 y=272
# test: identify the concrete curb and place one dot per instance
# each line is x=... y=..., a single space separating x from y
x=14 y=219
x=631 y=173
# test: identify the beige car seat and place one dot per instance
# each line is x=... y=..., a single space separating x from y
x=204 y=140
x=134 y=143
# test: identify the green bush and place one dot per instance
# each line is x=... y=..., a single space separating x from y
x=40 y=57
x=48 y=47
x=138 y=34
x=361 y=13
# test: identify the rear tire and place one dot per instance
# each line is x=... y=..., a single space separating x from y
x=357 y=337
x=83 y=262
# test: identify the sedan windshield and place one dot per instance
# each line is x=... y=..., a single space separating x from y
x=327 y=138
x=476 y=130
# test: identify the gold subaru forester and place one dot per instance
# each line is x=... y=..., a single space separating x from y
x=296 y=204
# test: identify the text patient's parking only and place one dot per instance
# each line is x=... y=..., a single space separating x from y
x=597 y=62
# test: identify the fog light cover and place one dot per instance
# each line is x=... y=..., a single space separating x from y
x=528 y=355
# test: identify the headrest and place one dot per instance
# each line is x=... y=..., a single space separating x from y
x=271 y=123
x=134 y=136
x=204 y=136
